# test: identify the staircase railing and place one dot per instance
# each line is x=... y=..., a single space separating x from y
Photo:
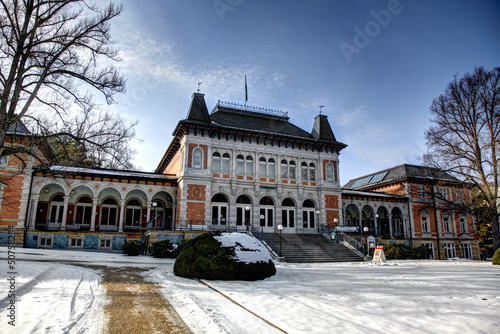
x=265 y=238
x=352 y=243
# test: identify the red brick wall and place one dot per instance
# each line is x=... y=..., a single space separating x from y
x=334 y=163
x=196 y=192
x=190 y=154
x=332 y=201
x=195 y=211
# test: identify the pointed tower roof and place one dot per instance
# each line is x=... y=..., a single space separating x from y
x=198 y=109
x=322 y=129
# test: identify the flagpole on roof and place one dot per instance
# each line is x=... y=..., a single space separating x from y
x=246 y=92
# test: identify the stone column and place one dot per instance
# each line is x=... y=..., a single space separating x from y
x=65 y=213
x=34 y=209
x=390 y=225
x=94 y=211
x=122 y=215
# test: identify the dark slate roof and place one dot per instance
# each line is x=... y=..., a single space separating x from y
x=111 y=173
x=18 y=128
x=249 y=120
x=198 y=109
x=400 y=172
x=322 y=129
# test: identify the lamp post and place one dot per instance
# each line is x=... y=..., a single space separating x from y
x=154 y=204
x=376 y=224
x=247 y=221
x=366 y=229
x=317 y=218
x=280 y=227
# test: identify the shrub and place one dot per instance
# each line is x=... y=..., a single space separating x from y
x=131 y=248
x=204 y=258
x=404 y=252
x=496 y=257
x=162 y=249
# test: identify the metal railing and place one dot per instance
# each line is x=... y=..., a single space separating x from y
x=264 y=237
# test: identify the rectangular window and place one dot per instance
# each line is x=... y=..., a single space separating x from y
x=292 y=172
x=284 y=217
x=463 y=224
x=466 y=250
x=215 y=215
x=239 y=216
x=430 y=245
x=105 y=243
x=421 y=193
x=45 y=242
x=262 y=217
x=304 y=173
x=425 y=224
x=269 y=217
x=240 y=167
x=4 y=160
x=446 y=224
x=449 y=250
x=312 y=174
x=225 y=165
x=76 y=243
x=271 y=170
x=443 y=192
x=249 y=167
x=262 y=169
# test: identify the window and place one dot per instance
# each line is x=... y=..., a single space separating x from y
x=105 y=243
x=466 y=250
x=4 y=160
x=449 y=250
x=271 y=171
x=83 y=211
x=424 y=217
x=430 y=245
x=244 y=206
x=133 y=216
x=308 y=214
x=76 y=243
x=262 y=167
x=240 y=165
x=459 y=196
x=421 y=193
x=45 y=242
x=312 y=172
x=225 y=163
x=292 y=170
x=266 y=214
x=443 y=192
x=109 y=212
x=56 y=209
x=219 y=209
x=249 y=166
x=284 y=169
x=288 y=213
x=304 y=171
x=446 y=223
x=463 y=224
x=216 y=163
x=329 y=172
x=197 y=158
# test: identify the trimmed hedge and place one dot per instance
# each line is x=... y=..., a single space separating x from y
x=204 y=258
x=496 y=257
x=163 y=249
x=131 y=248
x=404 y=252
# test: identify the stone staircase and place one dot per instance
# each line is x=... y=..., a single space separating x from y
x=308 y=248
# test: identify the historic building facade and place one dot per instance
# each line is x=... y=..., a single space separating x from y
x=235 y=168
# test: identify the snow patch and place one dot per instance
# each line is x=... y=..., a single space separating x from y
x=247 y=248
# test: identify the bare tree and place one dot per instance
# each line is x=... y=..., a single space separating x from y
x=54 y=55
x=465 y=137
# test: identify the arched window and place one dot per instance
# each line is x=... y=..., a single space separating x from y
x=216 y=163
x=133 y=214
x=303 y=170
x=352 y=215
x=397 y=223
x=284 y=169
x=108 y=214
x=83 y=214
x=240 y=165
x=271 y=170
x=267 y=211
x=249 y=166
x=288 y=213
x=312 y=172
x=308 y=214
x=56 y=210
x=197 y=158
x=243 y=210
x=262 y=167
x=225 y=163
x=157 y=214
x=219 y=209
x=292 y=170
x=329 y=172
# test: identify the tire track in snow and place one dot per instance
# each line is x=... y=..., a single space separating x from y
x=241 y=306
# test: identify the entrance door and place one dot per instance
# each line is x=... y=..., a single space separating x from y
x=288 y=216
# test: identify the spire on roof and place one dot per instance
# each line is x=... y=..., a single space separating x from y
x=322 y=129
x=198 y=109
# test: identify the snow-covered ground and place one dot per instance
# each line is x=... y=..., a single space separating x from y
x=53 y=296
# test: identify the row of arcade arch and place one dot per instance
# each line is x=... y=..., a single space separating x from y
x=108 y=209
x=266 y=213
x=382 y=222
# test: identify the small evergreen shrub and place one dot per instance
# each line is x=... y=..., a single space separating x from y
x=131 y=248
x=163 y=249
x=404 y=252
x=496 y=257
x=204 y=258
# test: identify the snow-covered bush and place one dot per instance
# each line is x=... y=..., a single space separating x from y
x=496 y=257
x=163 y=249
x=131 y=248
x=228 y=256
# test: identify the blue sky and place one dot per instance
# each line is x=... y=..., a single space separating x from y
x=374 y=65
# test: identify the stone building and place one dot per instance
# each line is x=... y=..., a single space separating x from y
x=236 y=168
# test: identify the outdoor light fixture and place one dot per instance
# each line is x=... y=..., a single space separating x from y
x=154 y=204
x=280 y=228
x=261 y=217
